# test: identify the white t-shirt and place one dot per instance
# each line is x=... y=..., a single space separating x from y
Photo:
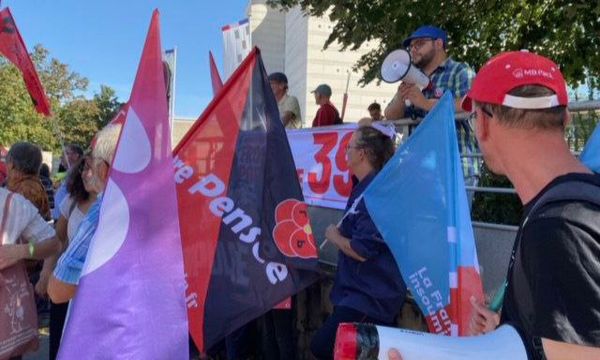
x=74 y=218
x=290 y=103
x=23 y=220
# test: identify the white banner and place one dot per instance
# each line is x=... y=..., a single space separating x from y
x=320 y=157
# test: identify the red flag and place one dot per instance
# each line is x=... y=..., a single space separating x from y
x=247 y=240
x=225 y=111
x=13 y=48
x=215 y=78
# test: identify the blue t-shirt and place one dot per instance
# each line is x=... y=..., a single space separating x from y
x=375 y=286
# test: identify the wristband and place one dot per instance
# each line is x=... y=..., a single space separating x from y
x=31 y=250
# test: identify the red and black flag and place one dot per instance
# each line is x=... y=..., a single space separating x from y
x=246 y=234
x=13 y=48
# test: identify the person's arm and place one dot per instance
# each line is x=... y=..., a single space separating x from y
x=395 y=109
x=11 y=254
x=413 y=94
x=288 y=118
x=556 y=350
x=333 y=234
x=63 y=283
x=41 y=287
x=60 y=292
x=357 y=237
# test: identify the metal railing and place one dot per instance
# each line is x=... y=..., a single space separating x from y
x=585 y=117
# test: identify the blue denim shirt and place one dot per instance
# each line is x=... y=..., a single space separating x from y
x=375 y=286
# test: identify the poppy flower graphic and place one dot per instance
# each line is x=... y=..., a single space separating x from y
x=292 y=232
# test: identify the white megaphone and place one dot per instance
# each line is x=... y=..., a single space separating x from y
x=398 y=66
x=367 y=341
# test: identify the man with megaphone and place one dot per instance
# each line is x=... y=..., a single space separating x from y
x=553 y=283
x=429 y=72
x=428 y=52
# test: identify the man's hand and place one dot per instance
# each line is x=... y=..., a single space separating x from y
x=11 y=254
x=394 y=354
x=483 y=320
x=412 y=93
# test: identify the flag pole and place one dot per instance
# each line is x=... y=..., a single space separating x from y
x=345 y=101
x=350 y=211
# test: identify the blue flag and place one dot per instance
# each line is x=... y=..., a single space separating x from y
x=419 y=204
x=590 y=155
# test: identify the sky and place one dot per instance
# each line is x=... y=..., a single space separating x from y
x=103 y=40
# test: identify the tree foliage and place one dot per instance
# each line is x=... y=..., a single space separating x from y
x=75 y=118
x=566 y=31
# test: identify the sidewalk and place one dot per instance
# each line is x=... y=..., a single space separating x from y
x=42 y=352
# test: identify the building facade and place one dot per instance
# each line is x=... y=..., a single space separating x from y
x=292 y=42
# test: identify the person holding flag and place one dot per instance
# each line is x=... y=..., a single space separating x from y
x=553 y=282
x=368 y=286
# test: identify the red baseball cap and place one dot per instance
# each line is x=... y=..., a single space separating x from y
x=509 y=70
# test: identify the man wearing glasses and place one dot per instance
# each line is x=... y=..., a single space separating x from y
x=427 y=47
x=428 y=51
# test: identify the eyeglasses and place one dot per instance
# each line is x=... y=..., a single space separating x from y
x=419 y=43
x=484 y=110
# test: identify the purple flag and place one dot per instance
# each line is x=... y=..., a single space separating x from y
x=130 y=303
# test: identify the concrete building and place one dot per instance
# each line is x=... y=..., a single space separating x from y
x=293 y=43
x=181 y=126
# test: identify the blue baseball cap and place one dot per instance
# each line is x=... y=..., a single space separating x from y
x=427 y=31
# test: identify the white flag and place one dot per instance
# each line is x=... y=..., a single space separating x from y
x=237 y=45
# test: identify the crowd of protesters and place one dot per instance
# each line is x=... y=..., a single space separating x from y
x=553 y=283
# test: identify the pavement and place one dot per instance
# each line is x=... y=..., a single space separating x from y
x=42 y=352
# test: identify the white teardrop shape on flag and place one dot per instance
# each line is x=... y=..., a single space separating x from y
x=134 y=152
x=112 y=228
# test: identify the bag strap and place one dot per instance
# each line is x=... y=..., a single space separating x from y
x=7 y=202
x=71 y=208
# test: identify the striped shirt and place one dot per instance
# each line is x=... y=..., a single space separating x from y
x=69 y=266
x=455 y=77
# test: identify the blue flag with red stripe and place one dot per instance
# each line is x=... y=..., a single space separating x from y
x=590 y=155
x=246 y=235
x=419 y=204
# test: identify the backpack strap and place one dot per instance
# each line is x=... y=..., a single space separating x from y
x=575 y=190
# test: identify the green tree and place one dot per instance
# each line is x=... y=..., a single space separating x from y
x=75 y=118
x=19 y=121
x=108 y=105
x=566 y=31
x=78 y=121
